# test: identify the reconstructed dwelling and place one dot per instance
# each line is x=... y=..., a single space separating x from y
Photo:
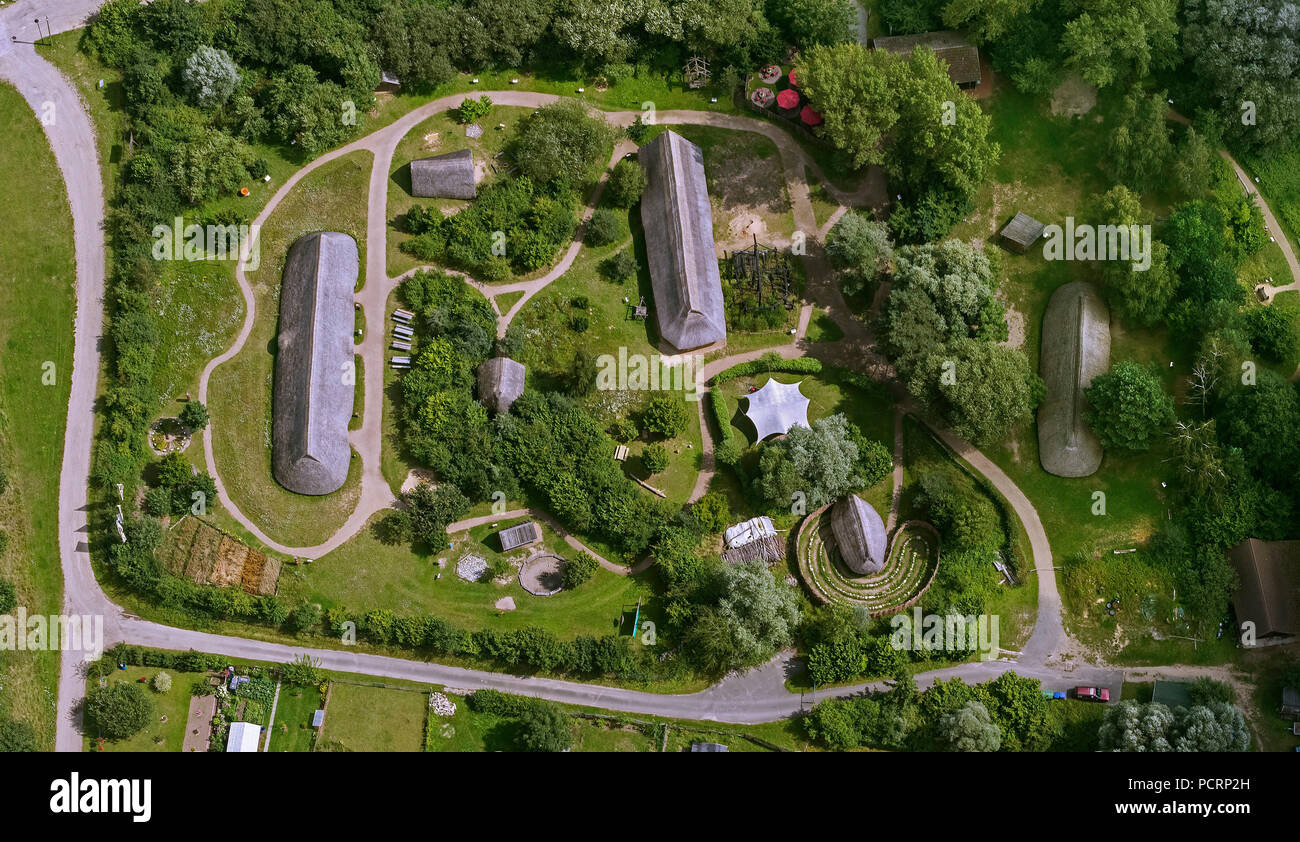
x=1075 y=349
x=777 y=407
x=449 y=176
x=500 y=383
x=522 y=535
x=859 y=534
x=962 y=57
x=312 y=400
x=1269 y=595
x=678 y=225
x=1021 y=232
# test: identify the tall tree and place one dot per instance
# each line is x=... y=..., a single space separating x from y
x=1128 y=407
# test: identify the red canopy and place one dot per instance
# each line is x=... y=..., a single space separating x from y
x=809 y=116
x=787 y=99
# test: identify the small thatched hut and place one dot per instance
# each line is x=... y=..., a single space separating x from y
x=859 y=534
x=678 y=223
x=1075 y=348
x=312 y=399
x=500 y=383
x=449 y=176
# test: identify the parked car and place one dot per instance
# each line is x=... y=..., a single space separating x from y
x=1092 y=694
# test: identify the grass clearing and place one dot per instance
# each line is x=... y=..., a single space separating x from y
x=367 y=718
x=292 y=729
x=172 y=706
x=332 y=198
x=37 y=277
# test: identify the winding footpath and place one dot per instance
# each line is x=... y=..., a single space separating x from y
x=756 y=696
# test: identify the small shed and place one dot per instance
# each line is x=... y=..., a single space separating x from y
x=1021 y=232
x=318 y=719
x=961 y=56
x=449 y=176
x=500 y=383
x=1291 y=702
x=244 y=737
x=388 y=83
x=1172 y=694
x=708 y=747
x=523 y=535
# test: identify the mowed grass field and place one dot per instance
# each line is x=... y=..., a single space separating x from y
x=364 y=718
x=37 y=277
x=174 y=705
x=332 y=198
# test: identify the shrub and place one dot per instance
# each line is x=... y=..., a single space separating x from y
x=194 y=415
x=619 y=267
x=666 y=414
x=545 y=727
x=626 y=183
x=624 y=430
x=8 y=596
x=119 y=711
x=496 y=703
x=473 y=109
x=579 y=323
x=579 y=302
x=578 y=570
x=604 y=227
x=654 y=459
x=158 y=502
x=162 y=682
x=561 y=141
x=769 y=362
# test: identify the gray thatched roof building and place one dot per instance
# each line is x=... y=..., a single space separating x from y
x=312 y=398
x=962 y=57
x=522 y=535
x=1269 y=595
x=500 y=383
x=449 y=176
x=678 y=225
x=1075 y=349
x=859 y=534
x=1021 y=232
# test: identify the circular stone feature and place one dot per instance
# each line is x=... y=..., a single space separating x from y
x=542 y=575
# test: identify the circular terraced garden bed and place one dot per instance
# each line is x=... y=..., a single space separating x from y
x=911 y=562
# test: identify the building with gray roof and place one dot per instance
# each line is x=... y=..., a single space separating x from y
x=449 y=176
x=961 y=56
x=1075 y=348
x=678 y=222
x=313 y=392
x=859 y=535
x=500 y=383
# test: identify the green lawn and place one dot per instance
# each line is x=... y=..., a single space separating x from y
x=365 y=718
x=332 y=198
x=36 y=312
x=174 y=705
x=292 y=729
x=365 y=573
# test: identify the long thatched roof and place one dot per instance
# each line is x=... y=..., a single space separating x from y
x=859 y=534
x=449 y=176
x=312 y=393
x=1075 y=349
x=1269 y=595
x=500 y=383
x=678 y=225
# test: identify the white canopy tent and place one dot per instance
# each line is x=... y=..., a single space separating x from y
x=777 y=407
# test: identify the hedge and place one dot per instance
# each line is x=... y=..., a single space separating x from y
x=718 y=406
x=769 y=362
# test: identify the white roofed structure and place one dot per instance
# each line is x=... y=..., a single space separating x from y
x=244 y=737
x=777 y=407
x=754 y=529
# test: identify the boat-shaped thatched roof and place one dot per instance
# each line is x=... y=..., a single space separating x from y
x=859 y=534
x=1075 y=349
x=678 y=224
x=500 y=383
x=312 y=400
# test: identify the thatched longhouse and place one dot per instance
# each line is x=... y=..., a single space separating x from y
x=678 y=224
x=312 y=394
x=449 y=176
x=859 y=535
x=1075 y=349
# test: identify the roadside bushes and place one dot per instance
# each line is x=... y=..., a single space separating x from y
x=772 y=362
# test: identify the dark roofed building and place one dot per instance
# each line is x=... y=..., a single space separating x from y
x=312 y=398
x=962 y=57
x=500 y=383
x=1291 y=703
x=1021 y=232
x=1075 y=348
x=859 y=534
x=1172 y=694
x=523 y=535
x=678 y=222
x=1269 y=595
x=449 y=176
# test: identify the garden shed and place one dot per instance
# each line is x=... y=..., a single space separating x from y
x=312 y=401
x=1075 y=349
x=522 y=535
x=961 y=56
x=678 y=222
x=449 y=176
x=244 y=737
x=1021 y=232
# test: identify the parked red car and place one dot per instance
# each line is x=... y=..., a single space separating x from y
x=1092 y=694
